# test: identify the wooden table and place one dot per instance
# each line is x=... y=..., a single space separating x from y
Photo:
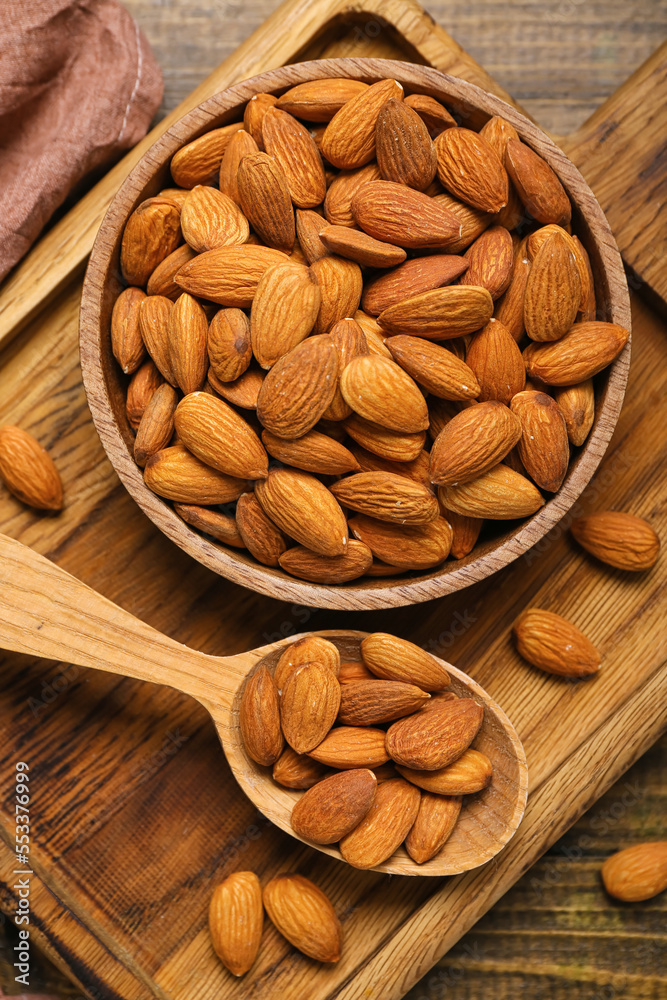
x=555 y=934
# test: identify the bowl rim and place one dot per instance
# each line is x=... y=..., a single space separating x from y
x=236 y=565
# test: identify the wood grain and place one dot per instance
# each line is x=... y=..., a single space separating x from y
x=45 y=612
x=106 y=387
x=130 y=781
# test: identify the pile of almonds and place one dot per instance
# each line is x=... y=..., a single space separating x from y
x=398 y=743
x=324 y=324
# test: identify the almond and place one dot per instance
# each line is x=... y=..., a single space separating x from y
x=637 y=873
x=371 y=702
x=433 y=826
x=439 y=314
x=260 y=536
x=388 y=497
x=360 y=247
x=349 y=138
x=404 y=150
x=588 y=302
x=619 y=539
x=434 y=367
x=210 y=219
x=469 y=774
x=241 y=144
x=342 y=192
x=349 y=340
x=395 y=659
x=577 y=404
x=235 y=920
x=294 y=770
x=140 y=391
x=28 y=471
x=199 y=161
x=397 y=214
x=161 y=281
x=175 y=195
x=309 y=703
x=391 y=445
x=385 y=826
x=299 y=388
x=435 y=115
x=372 y=332
x=537 y=185
x=228 y=343
x=340 y=286
x=259 y=718
x=347 y=747
x=353 y=670
x=430 y=741
x=302 y=507
x=228 y=275
x=157 y=424
x=222 y=527
x=473 y=442
x=470 y=169
x=472 y=221
x=583 y=352
x=417 y=469
x=243 y=391
x=253 y=117
x=498 y=132
x=501 y=494
x=154 y=312
x=554 y=644
x=284 y=311
x=335 y=806
x=187 y=336
x=308 y=227
x=307 y=650
x=465 y=531
x=404 y=546
x=411 y=278
x=494 y=357
x=175 y=473
x=306 y=565
x=151 y=233
x=553 y=290
x=303 y=914
x=543 y=448
x=379 y=391
x=436 y=701
x=126 y=340
x=509 y=307
x=490 y=261
x=314 y=452
x=293 y=149
x=319 y=100
x=265 y=199
x=218 y=436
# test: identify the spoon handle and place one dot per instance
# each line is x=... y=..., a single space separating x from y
x=46 y=612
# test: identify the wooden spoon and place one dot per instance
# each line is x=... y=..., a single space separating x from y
x=48 y=613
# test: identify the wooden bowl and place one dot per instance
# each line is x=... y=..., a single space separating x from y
x=106 y=386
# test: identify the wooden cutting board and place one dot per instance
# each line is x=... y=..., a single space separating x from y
x=135 y=816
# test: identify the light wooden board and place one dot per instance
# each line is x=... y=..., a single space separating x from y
x=137 y=814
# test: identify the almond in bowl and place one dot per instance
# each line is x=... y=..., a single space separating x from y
x=391 y=329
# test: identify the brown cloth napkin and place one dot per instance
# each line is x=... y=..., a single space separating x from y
x=78 y=84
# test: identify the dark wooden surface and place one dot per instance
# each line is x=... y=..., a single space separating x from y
x=555 y=934
x=558 y=58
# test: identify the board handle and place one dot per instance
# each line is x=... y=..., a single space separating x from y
x=621 y=151
x=48 y=613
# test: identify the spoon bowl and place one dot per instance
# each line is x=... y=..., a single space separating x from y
x=46 y=612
